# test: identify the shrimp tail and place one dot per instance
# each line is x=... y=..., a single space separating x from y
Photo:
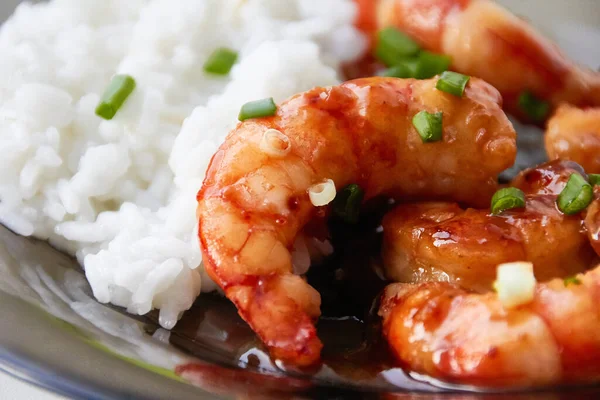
x=283 y=326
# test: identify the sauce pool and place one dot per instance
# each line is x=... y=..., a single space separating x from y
x=354 y=353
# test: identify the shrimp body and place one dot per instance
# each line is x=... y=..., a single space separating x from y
x=252 y=204
x=487 y=41
x=574 y=134
x=458 y=336
x=592 y=221
x=443 y=242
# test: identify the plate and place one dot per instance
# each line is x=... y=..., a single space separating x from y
x=54 y=334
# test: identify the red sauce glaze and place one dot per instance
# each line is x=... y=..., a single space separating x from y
x=541 y=57
x=549 y=65
x=548 y=178
x=425 y=20
x=366 y=19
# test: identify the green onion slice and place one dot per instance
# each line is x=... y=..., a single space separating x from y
x=408 y=68
x=576 y=195
x=346 y=204
x=429 y=126
x=426 y=65
x=571 y=280
x=119 y=89
x=594 y=179
x=392 y=46
x=258 y=109
x=507 y=199
x=402 y=70
x=533 y=107
x=220 y=61
x=453 y=83
x=412 y=65
x=431 y=64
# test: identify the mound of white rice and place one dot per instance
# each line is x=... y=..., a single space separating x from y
x=121 y=194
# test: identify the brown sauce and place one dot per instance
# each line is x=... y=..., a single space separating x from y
x=354 y=353
x=354 y=357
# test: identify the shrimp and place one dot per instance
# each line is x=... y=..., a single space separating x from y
x=574 y=134
x=254 y=203
x=487 y=41
x=445 y=331
x=592 y=220
x=443 y=242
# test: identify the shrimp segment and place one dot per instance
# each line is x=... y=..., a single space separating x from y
x=487 y=41
x=592 y=221
x=252 y=205
x=443 y=242
x=442 y=330
x=574 y=134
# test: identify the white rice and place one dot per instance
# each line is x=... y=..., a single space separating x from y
x=120 y=195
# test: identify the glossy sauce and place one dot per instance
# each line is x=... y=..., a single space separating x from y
x=354 y=353
x=445 y=242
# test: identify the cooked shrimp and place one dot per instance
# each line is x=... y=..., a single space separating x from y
x=254 y=203
x=592 y=220
x=574 y=134
x=443 y=242
x=442 y=330
x=487 y=41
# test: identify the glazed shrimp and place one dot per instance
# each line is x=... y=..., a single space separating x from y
x=592 y=220
x=574 y=134
x=254 y=203
x=487 y=41
x=444 y=242
x=442 y=330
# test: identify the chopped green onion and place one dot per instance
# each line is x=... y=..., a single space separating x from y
x=453 y=83
x=533 y=107
x=258 y=109
x=426 y=65
x=572 y=280
x=347 y=203
x=401 y=70
x=507 y=199
x=412 y=65
x=119 y=89
x=576 y=195
x=429 y=126
x=408 y=68
x=220 y=61
x=594 y=179
x=431 y=64
x=393 y=45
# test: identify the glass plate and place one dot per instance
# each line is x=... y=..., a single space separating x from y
x=54 y=334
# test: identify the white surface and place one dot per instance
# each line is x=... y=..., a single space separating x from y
x=13 y=389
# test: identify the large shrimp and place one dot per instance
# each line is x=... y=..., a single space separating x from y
x=254 y=203
x=487 y=41
x=443 y=242
x=592 y=221
x=574 y=134
x=449 y=333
